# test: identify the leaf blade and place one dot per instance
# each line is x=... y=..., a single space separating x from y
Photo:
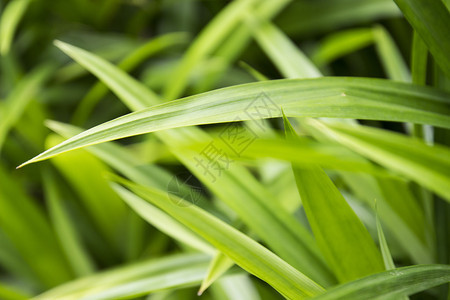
x=407 y=156
x=340 y=234
x=341 y=98
x=243 y=250
x=9 y=21
x=431 y=21
x=398 y=282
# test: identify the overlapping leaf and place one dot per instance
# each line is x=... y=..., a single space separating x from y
x=248 y=254
x=393 y=283
x=322 y=97
x=428 y=165
x=341 y=236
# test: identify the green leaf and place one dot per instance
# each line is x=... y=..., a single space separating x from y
x=12 y=262
x=298 y=151
x=235 y=44
x=430 y=19
x=387 y=258
x=393 y=283
x=405 y=222
x=210 y=38
x=7 y=292
x=119 y=158
x=126 y=163
x=419 y=57
x=84 y=172
x=248 y=198
x=75 y=251
x=306 y=19
x=164 y=222
x=412 y=158
x=219 y=265
x=341 y=43
x=9 y=21
x=284 y=53
x=25 y=225
x=134 y=280
x=246 y=253
x=136 y=57
x=135 y=94
x=19 y=98
x=391 y=58
x=340 y=234
x=255 y=73
x=235 y=287
x=236 y=187
x=108 y=46
x=339 y=98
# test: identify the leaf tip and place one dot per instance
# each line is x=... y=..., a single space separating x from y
x=22 y=165
x=60 y=44
x=204 y=286
x=202 y=289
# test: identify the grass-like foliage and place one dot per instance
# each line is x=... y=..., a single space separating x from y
x=246 y=149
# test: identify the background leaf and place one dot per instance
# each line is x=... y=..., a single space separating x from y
x=340 y=235
x=244 y=251
x=397 y=282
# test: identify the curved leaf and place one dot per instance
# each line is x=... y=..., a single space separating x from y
x=9 y=21
x=218 y=266
x=19 y=98
x=237 y=187
x=430 y=19
x=134 y=280
x=398 y=282
x=340 y=234
x=247 y=253
x=320 y=97
x=427 y=165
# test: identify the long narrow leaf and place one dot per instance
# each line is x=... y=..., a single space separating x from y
x=393 y=63
x=19 y=98
x=164 y=222
x=298 y=151
x=9 y=293
x=29 y=231
x=136 y=57
x=237 y=187
x=394 y=283
x=208 y=40
x=341 y=43
x=236 y=287
x=76 y=253
x=430 y=19
x=9 y=21
x=341 y=236
x=387 y=258
x=320 y=97
x=289 y=59
x=134 y=280
x=427 y=165
x=219 y=265
x=248 y=254
x=84 y=173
